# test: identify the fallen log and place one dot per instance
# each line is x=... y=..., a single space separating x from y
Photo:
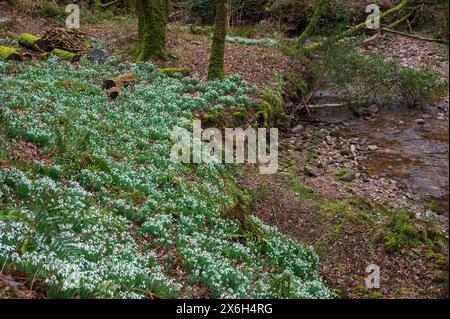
x=172 y=71
x=115 y=85
x=120 y=81
x=113 y=92
x=10 y=54
x=34 y=43
x=66 y=55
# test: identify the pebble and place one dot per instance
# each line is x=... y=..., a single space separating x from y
x=420 y=121
x=373 y=147
x=298 y=128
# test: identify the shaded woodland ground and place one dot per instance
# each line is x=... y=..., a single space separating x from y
x=324 y=194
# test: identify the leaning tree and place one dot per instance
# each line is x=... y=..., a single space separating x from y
x=216 y=64
x=152 y=23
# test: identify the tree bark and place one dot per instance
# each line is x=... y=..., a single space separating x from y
x=313 y=23
x=216 y=69
x=120 y=81
x=152 y=24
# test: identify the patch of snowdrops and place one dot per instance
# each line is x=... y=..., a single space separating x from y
x=269 y=42
x=93 y=218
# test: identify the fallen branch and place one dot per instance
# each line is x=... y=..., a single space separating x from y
x=320 y=106
x=414 y=36
x=355 y=28
x=396 y=23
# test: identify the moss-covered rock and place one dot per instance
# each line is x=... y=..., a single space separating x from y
x=174 y=71
x=270 y=108
x=345 y=175
x=8 y=54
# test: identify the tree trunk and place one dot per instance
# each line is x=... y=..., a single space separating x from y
x=216 y=65
x=152 y=23
x=313 y=22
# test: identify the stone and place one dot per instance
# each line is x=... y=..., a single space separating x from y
x=372 y=147
x=420 y=121
x=96 y=55
x=321 y=133
x=298 y=128
x=309 y=171
x=346 y=175
x=373 y=109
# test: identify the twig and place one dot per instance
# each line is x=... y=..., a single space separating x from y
x=319 y=106
x=414 y=36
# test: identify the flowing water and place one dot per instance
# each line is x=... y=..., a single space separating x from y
x=417 y=154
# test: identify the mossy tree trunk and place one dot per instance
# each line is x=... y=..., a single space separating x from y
x=216 y=69
x=313 y=22
x=152 y=24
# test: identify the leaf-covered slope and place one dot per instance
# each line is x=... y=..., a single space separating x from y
x=87 y=191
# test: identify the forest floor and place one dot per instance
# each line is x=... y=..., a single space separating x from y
x=344 y=219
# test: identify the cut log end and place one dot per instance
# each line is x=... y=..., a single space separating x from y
x=114 y=85
x=113 y=92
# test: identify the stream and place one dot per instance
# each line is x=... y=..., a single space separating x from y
x=412 y=147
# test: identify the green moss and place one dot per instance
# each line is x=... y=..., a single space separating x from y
x=441 y=277
x=438 y=260
x=78 y=86
x=152 y=25
x=66 y=55
x=298 y=84
x=335 y=134
x=407 y=230
x=302 y=191
x=216 y=70
x=175 y=71
x=209 y=118
x=270 y=108
x=374 y=295
x=392 y=242
x=7 y=53
x=28 y=40
x=345 y=151
x=52 y=10
x=345 y=175
x=401 y=230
